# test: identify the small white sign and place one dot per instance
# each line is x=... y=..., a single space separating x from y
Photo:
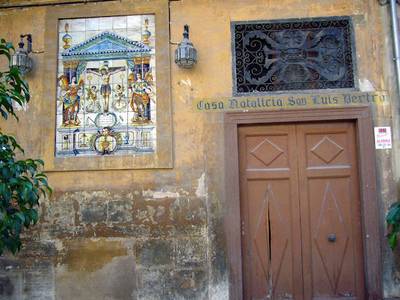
x=383 y=138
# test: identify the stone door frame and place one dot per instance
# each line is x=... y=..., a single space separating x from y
x=369 y=200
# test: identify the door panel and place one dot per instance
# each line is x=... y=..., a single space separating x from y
x=330 y=211
x=300 y=212
x=270 y=219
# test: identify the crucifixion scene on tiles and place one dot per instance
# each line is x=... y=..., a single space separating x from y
x=106 y=93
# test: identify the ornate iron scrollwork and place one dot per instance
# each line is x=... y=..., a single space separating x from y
x=293 y=55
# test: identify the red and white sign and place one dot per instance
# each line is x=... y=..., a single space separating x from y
x=383 y=138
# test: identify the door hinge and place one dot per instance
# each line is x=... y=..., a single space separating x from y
x=242 y=227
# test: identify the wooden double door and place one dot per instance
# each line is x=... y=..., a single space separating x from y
x=300 y=212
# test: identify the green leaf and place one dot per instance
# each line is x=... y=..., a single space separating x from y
x=393 y=222
x=392 y=240
x=20 y=216
x=40 y=162
x=22 y=183
x=9 y=45
x=393 y=215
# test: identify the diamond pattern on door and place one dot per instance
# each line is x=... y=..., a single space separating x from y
x=331 y=238
x=327 y=150
x=330 y=211
x=269 y=251
x=301 y=233
x=266 y=152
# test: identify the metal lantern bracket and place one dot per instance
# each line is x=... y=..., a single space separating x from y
x=29 y=40
x=186 y=53
x=20 y=58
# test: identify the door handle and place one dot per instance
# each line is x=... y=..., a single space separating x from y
x=332 y=237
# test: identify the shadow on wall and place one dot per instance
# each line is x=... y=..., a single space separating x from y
x=6 y=287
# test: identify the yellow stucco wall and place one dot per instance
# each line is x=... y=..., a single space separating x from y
x=149 y=219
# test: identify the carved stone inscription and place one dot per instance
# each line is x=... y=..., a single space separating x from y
x=292 y=55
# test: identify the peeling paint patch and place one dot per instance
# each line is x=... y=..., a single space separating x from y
x=116 y=279
x=58 y=244
x=187 y=82
x=201 y=190
x=91 y=255
x=220 y=291
x=160 y=194
x=366 y=85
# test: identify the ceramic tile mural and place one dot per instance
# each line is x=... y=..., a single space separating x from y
x=106 y=93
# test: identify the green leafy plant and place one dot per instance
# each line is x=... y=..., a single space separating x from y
x=22 y=183
x=393 y=223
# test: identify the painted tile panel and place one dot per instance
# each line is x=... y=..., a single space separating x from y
x=106 y=94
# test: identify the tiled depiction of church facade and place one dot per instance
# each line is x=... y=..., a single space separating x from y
x=106 y=93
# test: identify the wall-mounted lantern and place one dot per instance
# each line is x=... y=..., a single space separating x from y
x=186 y=53
x=20 y=58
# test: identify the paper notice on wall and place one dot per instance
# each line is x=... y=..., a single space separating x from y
x=383 y=138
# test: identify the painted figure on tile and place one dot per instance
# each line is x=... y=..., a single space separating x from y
x=148 y=77
x=105 y=73
x=140 y=97
x=105 y=142
x=92 y=93
x=93 y=104
x=119 y=104
x=70 y=94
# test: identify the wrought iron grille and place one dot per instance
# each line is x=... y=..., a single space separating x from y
x=293 y=55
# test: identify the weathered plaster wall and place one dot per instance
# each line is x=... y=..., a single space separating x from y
x=158 y=234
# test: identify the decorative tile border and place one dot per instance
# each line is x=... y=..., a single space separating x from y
x=114 y=38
